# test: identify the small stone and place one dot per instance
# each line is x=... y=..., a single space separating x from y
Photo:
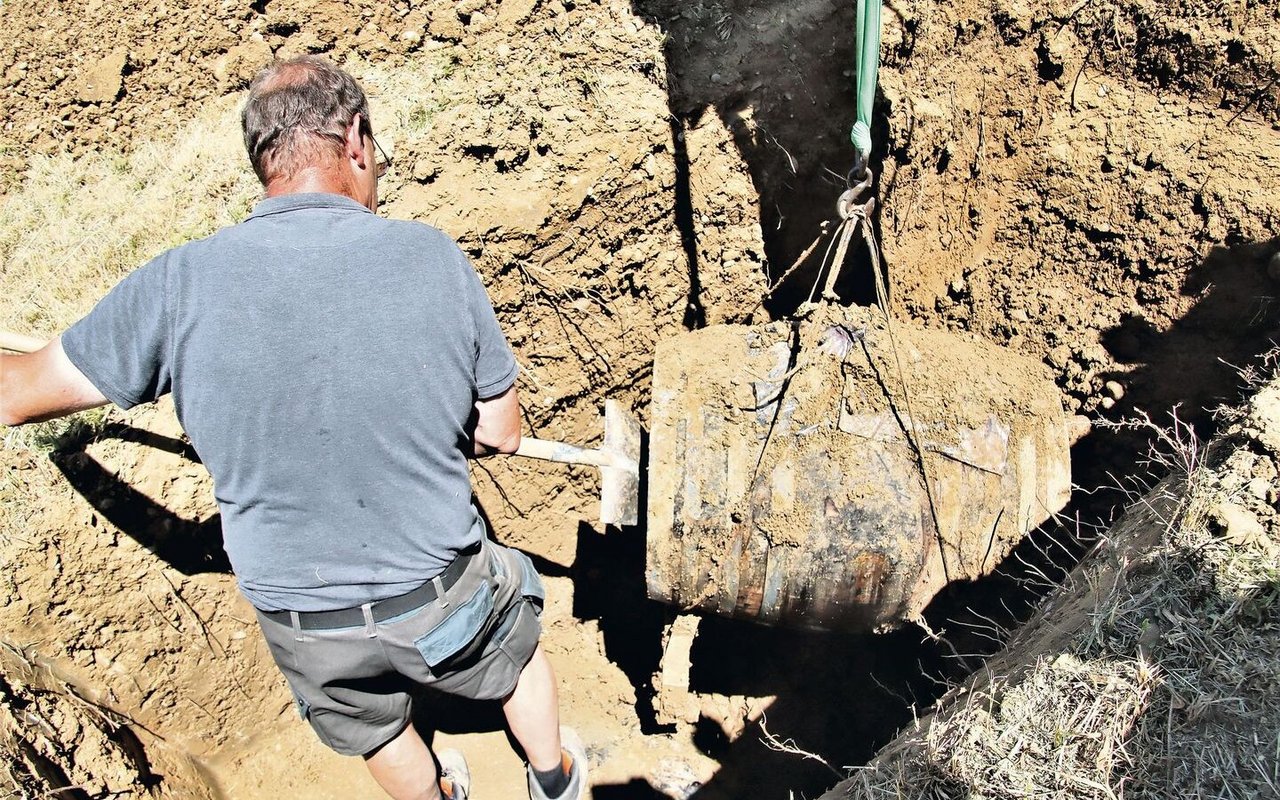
x=1107 y=403
x=1060 y=356
x=424 y=170
x=1239 y=525
x=1078 y=427
x=1113 y=389
x=1259 y=488
x=102 y=81
x=1020 y=315
x=1062 y=152
x=240 y=63
x=411 y=36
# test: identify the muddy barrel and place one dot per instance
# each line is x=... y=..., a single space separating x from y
x=785 y=467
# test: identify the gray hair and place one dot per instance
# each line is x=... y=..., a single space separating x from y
x=297 y=113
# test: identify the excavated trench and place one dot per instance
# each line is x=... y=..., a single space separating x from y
x=1144 y=313
x=1094 y=189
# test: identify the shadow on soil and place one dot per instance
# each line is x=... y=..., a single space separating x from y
x=779 y=76
x=190 y=546
x=1196 y=365
x=843 y=697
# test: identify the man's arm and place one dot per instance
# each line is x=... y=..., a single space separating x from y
x=45 y=384
x=497 y=424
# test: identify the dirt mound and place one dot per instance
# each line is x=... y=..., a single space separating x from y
x=1151 y=671
x=79 y=76
x=1217 y=54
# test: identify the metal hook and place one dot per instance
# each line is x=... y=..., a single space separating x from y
x=848 y=201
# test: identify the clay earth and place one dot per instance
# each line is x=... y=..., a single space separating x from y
x=1092 y=185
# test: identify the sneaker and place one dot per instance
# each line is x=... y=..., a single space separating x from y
x=574 y=760
x=455 y=778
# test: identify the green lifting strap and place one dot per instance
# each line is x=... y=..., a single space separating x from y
x=868 y=55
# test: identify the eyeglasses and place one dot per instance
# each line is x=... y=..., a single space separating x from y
x=383 y=162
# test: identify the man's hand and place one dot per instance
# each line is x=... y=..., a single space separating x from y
x=45 y=384
x=497 y=424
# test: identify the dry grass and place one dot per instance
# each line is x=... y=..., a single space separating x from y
x=1058 y=732
x=76 y=226
x=1153 y=673
x=405 y=100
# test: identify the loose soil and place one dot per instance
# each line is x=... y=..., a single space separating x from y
x=1093 y=187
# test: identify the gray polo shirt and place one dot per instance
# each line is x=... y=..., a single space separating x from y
x=324 y=362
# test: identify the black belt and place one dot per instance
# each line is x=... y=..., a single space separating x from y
x=381 y=610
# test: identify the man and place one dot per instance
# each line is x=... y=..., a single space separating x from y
x=334 y=370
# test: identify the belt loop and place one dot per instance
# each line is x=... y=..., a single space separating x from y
x=440 y=598
x=297 y=626
x=369 y=629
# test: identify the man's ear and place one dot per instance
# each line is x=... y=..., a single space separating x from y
x=354 y=141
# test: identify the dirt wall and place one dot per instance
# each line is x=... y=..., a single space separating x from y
x=1093 y=185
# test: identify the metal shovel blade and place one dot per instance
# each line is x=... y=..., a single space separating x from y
x=620 y=482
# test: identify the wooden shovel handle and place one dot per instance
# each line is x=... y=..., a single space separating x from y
x=564 y=453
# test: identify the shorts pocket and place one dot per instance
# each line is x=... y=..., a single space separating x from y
x=455 y=634
x=521 y=636
x=513 y=645
x=530 y=582
x=303 y=707
x=306 y=712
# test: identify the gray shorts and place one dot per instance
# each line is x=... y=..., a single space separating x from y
x=353 y=684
